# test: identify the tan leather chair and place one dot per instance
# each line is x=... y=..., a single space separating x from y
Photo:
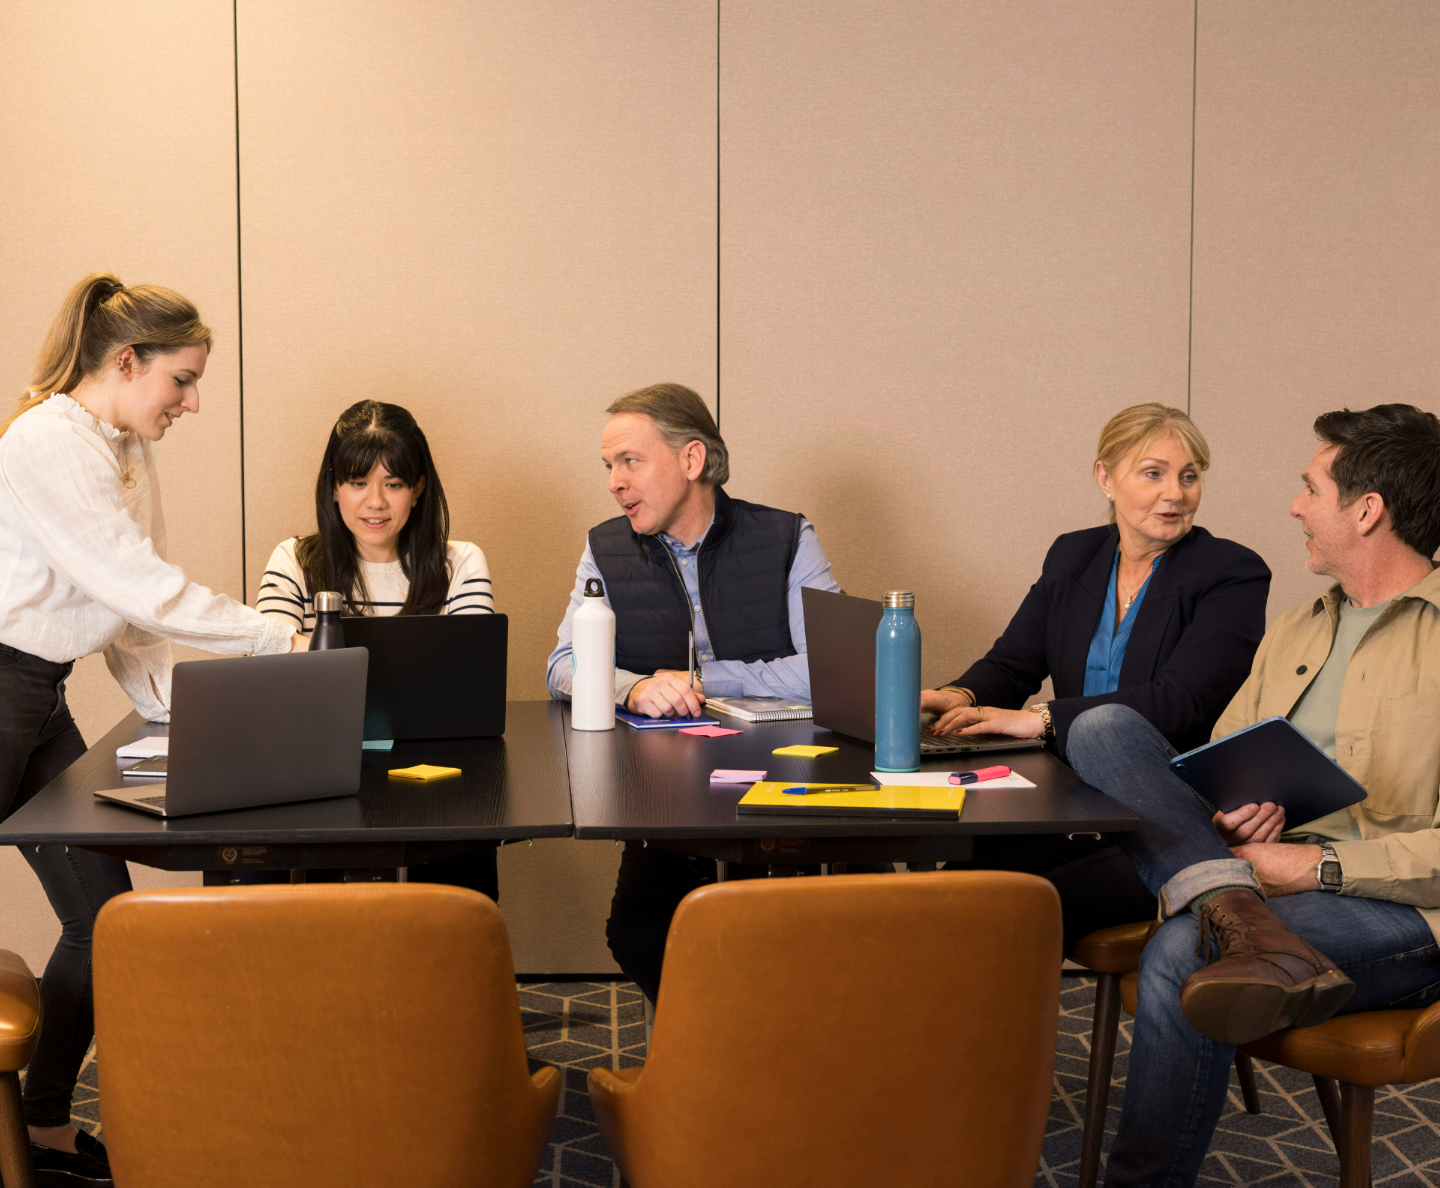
x=1112 y=954
x=1362 y=1052
x=19 y=1033
x=314 y=1035
x=851 y=1031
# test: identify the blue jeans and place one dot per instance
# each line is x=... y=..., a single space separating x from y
x=1177 y=1083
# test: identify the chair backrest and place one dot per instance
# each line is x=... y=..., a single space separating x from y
x=324 y=1034
x=862 y=1030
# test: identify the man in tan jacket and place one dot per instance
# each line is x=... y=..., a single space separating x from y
x=1268 y=923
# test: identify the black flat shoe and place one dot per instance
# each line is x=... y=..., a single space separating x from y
x=90 y=1168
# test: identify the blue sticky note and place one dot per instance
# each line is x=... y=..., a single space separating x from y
x=378 y=744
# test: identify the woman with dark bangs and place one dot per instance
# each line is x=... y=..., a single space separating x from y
x=383 y=530
x=382 y=542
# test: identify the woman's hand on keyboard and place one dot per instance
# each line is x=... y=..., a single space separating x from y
x=986 y=719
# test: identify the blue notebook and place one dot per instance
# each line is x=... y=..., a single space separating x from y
x=640 y=722
x=1272 y=761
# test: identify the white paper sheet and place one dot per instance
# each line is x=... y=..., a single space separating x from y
x=150 y=747
x=941 y=779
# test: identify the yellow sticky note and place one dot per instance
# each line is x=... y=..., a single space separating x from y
x=422 y=771
x=804 y=752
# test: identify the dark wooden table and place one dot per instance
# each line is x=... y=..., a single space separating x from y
x=654 y=786
x=511 y=788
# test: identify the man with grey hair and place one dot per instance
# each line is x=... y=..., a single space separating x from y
x=684 y=556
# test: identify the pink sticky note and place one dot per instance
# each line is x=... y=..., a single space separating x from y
x=707 y=731
x=722 y=775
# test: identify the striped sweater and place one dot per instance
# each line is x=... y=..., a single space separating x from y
x=283 y=594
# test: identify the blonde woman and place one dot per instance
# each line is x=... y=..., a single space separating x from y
x=1148 y=611
x=82 y=548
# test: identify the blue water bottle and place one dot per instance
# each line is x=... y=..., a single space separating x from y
x=897 y=685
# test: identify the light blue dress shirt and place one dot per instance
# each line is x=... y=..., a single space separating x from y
x=1108 y=644
x=788 y=677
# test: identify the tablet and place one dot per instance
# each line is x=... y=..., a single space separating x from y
x=1272 y=761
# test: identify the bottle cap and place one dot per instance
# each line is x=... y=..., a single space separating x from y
x=899 y=598
x=594 y=588
x=327 y=600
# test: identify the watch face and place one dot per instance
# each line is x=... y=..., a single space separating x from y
x=1330 y=875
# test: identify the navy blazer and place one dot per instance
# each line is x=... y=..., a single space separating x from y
x=1190 y=650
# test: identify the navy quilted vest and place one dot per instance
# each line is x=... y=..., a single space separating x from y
x=744 y=569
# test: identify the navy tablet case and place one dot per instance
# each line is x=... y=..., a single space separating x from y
x=1272 y=761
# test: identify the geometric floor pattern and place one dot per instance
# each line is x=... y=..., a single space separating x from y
x=576 y=1026
x=1286 y=1145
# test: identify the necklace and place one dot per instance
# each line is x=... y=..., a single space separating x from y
x=1119 y=586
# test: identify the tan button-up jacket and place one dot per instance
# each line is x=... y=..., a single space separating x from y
x=1387 y=734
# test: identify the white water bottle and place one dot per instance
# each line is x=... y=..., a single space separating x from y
x=592 y=652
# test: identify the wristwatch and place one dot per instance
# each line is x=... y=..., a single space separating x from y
x=1328 y=873
x=1043 y=709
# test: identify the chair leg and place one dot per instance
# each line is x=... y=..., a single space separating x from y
x=1357 y=1118
x=1329 y=1097
x=15 y=1165
x=1245 y=1071
x=1102 y=1063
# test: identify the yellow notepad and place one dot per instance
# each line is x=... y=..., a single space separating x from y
x=422 y=771
x=894 y=800
x=804 y=752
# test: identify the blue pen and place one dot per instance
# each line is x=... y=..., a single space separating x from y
x=803 y=791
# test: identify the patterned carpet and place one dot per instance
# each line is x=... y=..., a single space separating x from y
x=578 y=1025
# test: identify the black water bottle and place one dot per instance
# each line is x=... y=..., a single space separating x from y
x=328 y=632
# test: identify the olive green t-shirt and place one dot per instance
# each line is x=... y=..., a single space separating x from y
x=1315 y=713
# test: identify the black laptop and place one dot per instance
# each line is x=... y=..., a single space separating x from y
x=840 y=641
x=433 y=676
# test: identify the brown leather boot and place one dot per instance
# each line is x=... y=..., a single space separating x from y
x=1266 y=977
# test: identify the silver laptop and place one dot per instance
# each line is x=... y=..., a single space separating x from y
x=258 y=730
x=840 y=642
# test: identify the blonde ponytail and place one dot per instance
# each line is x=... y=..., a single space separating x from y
x=100 y=317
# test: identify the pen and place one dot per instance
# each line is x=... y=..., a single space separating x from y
x=692 y=659
x=801 y=790
x=974 y=777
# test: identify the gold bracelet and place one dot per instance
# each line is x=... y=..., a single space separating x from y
x=961 y=689
x=1043 y=709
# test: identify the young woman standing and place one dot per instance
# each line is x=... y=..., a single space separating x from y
x=82 y=548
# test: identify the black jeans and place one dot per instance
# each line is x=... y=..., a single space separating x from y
x=38 y=740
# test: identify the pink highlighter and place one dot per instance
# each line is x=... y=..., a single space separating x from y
x=975 y=777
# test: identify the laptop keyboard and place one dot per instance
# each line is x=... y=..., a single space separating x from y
x=936 y=744
x=951 y=744
x=157 y=801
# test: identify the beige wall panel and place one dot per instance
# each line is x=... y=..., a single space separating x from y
x=1317 y=250
x=555 y=897
x=499 y=216
x=954 y=241
x=117 y=152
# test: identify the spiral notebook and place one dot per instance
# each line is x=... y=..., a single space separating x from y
x=759 y=709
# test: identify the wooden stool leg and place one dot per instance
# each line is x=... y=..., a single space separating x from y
x=1330 y=1103
x=1245 y=1071
x=1357 y=1117
x=15 y=1166
x=1102 y=1063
